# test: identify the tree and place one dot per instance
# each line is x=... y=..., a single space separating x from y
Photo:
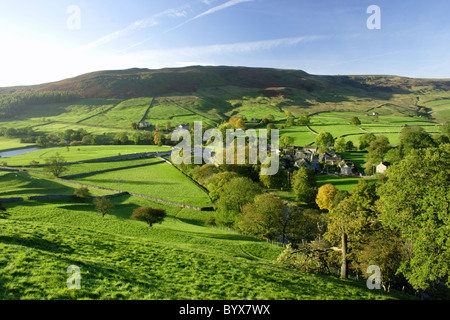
x=378 y=149
x=303 y=120
x=304 y=185
x=157 y=139
x=365 y=140
x=205 y=172
x=275 y=181
x=56 y=165
x=216 y=183
x=234 y=196
x=355 y=121
x=121 y=138
x=325 y=196
x=149 y=215
x=103 y=205
x=82 y=193
x=415 y=200
x=264 y=217
x=286 y=141
x=414 y=138
x=354 y=217
x=237 y=123
x=340 y=145
x=290 y=121
x=324 y=140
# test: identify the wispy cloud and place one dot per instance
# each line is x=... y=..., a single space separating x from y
x=136 y=26
x=213 y=52
x=221 y=7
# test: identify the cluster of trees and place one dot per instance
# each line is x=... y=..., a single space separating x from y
x=399 y=224
x=11 y=105
x=411 y=138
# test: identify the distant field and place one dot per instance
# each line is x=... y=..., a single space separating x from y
x=123 y=114
x=160 y=180
x=23 y=184
x=80 y=153
x=98 y=166
x=440 y=109
x=7 y=144
x=68 y=112
x=342 y=183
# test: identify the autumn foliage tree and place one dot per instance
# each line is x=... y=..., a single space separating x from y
x=325 y=196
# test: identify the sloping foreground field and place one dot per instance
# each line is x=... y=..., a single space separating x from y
x=124 y=259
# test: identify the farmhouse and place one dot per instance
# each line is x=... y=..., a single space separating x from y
x=304 y=163
x=382 y=167
x=346 y=168
x=182 y=127
x=144 y=124
x=330 y=158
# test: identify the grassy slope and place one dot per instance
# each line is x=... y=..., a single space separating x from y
x=80 y=153
x=124 y=259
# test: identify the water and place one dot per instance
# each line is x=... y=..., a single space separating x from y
x=11 y=153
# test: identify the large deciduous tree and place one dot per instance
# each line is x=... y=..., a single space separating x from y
x=304 y=185
x=416 y=201
x=234 y=195
x=56 y=165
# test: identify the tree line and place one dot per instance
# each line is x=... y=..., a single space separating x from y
x=13 y=104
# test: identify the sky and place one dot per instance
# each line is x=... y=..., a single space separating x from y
x=45 y=40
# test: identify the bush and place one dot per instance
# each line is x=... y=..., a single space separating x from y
x=210 y=221
x=82 y=193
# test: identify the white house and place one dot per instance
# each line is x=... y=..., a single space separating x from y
x=382 y=167
x=144 y=124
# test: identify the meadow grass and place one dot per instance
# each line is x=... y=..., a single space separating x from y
x=124 y=259
x=160 y=180
x=123 y=114
x=11 y=144
x=81 y=153
x=69 y=111
x=341 y=183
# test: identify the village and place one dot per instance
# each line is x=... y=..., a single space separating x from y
x=328 y=162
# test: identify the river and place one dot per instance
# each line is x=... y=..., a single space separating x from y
x=11 y=153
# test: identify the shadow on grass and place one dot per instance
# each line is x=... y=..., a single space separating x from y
x=37 y=243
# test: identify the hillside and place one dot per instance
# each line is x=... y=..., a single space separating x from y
x=136 y=82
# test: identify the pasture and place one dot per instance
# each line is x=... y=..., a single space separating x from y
x=81 y=153
x=122 y=259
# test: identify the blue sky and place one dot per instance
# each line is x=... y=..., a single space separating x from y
x=47 y=40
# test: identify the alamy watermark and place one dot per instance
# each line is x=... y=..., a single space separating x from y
x=74 y=20
x=374 y=281
x=374 y=21
x=74 y=281
x=232 y=150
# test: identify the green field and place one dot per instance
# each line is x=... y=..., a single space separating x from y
x=80 y=153
x=124 y=259
x=160 y=181
x=10 y=144
x=123 y=114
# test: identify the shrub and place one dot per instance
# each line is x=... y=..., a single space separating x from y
x=210 y=221
x=82 y=193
